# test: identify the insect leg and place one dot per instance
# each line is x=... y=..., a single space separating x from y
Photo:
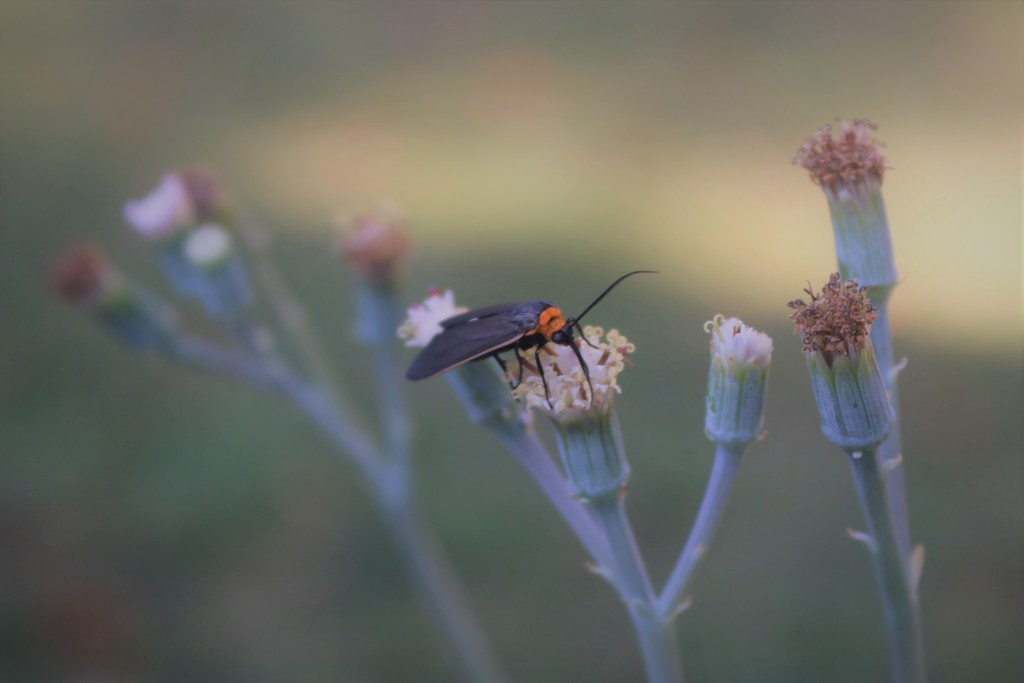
x=519 y=359
x=504 y=369
x=585 y=368
x=583 y=336
x=540 y=369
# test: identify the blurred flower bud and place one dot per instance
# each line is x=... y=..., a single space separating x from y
x=165 y=211
x=209 y=198
x=222 y=284
x=181 y=200
x=83 y=276
x=376 y=246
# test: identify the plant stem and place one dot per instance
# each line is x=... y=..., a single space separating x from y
x=441 y=593
x=892 y=572
x=716 y=495
x=892 y=448
x=523 y=443
x=656 y=635
x=435 y=581
x=220 y=360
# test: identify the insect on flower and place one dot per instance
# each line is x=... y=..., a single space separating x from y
x=491 y=330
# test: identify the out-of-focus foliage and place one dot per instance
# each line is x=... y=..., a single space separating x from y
x=160 y=525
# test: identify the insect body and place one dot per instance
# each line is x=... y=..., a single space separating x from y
x=491 y=330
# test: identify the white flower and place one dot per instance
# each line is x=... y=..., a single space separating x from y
x=567 y=385
x=164 y=211
x=731 y=340
x=424 y=318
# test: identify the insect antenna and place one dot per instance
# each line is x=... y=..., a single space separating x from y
x=572 y=321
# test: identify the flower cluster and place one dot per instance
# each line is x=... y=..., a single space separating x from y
x=423 y=321
x=567 y=385
x=734 y=342
x=836 y=321
x=181 y=200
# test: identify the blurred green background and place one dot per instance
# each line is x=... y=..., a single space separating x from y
x=159 y=525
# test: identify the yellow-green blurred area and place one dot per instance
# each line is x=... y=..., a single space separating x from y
x=160 y=525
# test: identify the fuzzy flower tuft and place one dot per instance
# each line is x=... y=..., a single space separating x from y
x=165 y=211
x=737 y=381
x=733 y=341
x=848 y=158
x=375 y=245
x=837 y=321
x=568 y=386
x=423 y=321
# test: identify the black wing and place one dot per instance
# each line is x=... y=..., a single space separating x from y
x=463 y=343
x=488 y=312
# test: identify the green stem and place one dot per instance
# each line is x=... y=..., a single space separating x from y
x=892 y=448
x=656 y=635
x=522 y=442
x=435 y=581
x=723 y=474
x=441 y=594
x=906 y=646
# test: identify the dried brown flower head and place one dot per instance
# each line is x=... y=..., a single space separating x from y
x=836 y=321
x=79 y=274
x=852 y=156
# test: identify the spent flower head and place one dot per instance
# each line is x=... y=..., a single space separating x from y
x=844 y=159
x=82 y=275
x=567 y=385
x=849 y=169
x=423 y=320
x=837 y=321
x=852 y=400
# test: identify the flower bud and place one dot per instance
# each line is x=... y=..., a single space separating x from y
x=590 y=444
x=210 y=201
x=181 y=201
x=567 y=387
x=219 y=274
x=848 y=389
x=83 y=276
x=737 y=381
